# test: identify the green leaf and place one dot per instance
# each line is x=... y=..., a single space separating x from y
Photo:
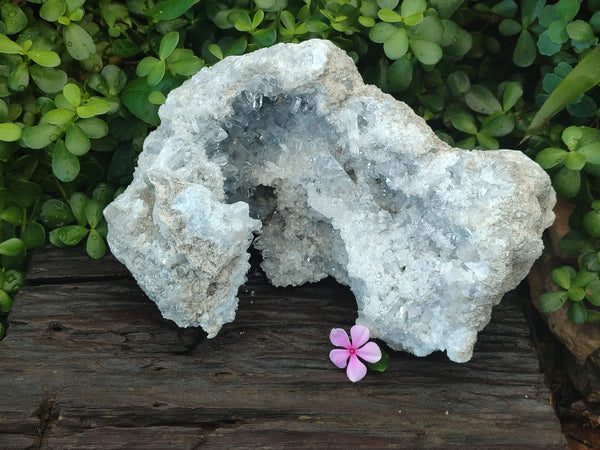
x=380 y=365
x=55 y=213
x=25 y=192
x=480 y=99
x=563 y=276
x=509 y=27
x=40 y=136
x=591 y=152
x=169 y=9
x=487 y=141
x=9 y=132
x=14 y=18
x=65 y=164
x=288 y=20
x=390 y=4
x=13 y=215
x=574 y=243
x=146 y=65
x=577 y=313
x=216 y=51
x=551 y=157
x=59 y=116
x=135 y=98
x=49 y=80
x=397 y=44
x=552 y=301
x=576 y=294
x=125 y=48
x=583 y=278
x=506 y=8
x=580 y=30
x=76 y=141
x=366 y=22
x=400 y=74
x=51 y=10
x=592 y=292
x=157 y=73
x=464 y=122
x=78 y=201
x=582 y=78
x=156 y=98
x=387 y=15
x=530 y=10
x=381 y=32
x=498 y=125
x=168 y=44
x=258 y=18
x=13 y=280
x=72 y=94
x=34 y=235
x=12 y=247
x=557 y=32
x=412 y=7
x=567 y=182
x=95 y=107
x=458 y=83
x=93 y=212
x=80 y=45
x=525 y=50
x=567 y=9
x=575 y=161
x=71 y=234
x=512 y=93
x=265 y=4
x=44 y=58
x=428 y=53
x=93 y=127
x=115 y=79
x=18 y=80
x=591 y=223
x=188 y=67
x=546 y=46
x=95 y=246
x=5 y=303
x=104 y=193
x=266 y=36
x=8 y=46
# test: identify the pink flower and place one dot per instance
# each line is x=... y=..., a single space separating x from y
x=358 y=348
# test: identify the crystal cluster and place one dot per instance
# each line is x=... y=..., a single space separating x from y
x=288 y=149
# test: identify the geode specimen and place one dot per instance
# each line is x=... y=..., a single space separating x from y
x=286 y=147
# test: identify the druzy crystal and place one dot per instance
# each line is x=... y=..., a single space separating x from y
x=288 y=150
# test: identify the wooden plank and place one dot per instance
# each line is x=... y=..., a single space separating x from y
x=91 y=364
x=52 y=264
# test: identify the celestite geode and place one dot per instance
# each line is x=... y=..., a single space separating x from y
x=286 y=147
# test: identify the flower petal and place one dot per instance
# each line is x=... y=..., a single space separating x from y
x=370 y=352
x=356 y=369
x=339 y=338
x=360 y=335
x=339 y=356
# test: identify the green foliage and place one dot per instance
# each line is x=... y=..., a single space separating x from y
x=81 y=83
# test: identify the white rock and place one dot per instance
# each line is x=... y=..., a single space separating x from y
x=347 y=182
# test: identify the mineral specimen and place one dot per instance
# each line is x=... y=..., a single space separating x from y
x=287 y=147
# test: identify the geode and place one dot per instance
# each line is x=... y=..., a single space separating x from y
x=288 y=149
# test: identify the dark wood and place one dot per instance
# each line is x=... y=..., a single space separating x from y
x=90 y=363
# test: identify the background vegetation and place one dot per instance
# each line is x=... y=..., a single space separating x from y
x=81 y=82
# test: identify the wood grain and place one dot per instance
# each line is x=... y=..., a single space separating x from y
x=90 y=363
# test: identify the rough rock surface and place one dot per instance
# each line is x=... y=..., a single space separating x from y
x=330 y=177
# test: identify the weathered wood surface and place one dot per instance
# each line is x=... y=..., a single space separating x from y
x=90 y=363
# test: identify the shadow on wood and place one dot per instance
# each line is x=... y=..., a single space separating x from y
x=90 y=363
